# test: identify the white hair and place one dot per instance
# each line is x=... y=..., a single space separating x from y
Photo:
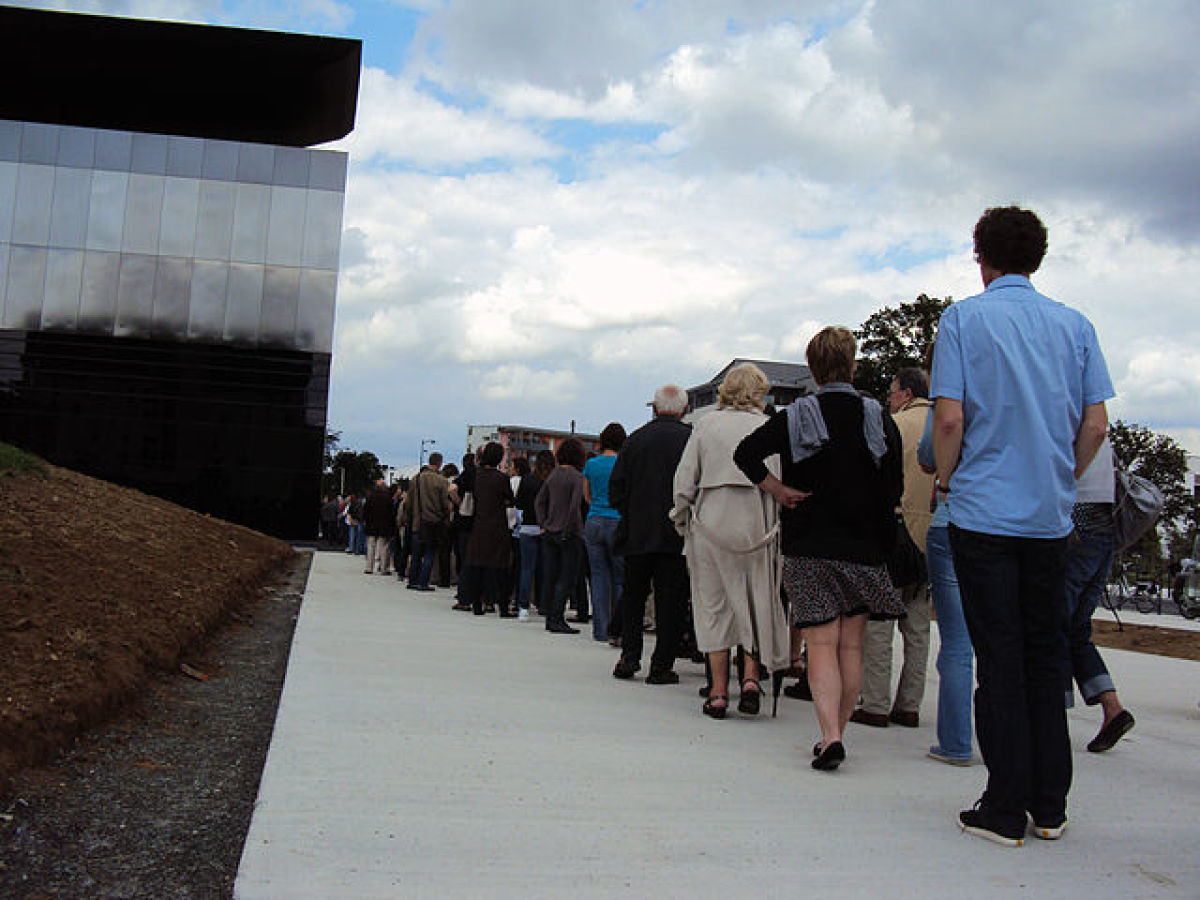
x=670 y=400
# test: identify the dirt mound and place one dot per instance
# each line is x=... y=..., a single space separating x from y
x=99 y=585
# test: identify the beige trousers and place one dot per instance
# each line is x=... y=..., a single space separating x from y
x=378 y=549
x=877 y=657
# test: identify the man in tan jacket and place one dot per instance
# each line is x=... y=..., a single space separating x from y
x=909 y=402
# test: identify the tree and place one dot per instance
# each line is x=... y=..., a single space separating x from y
x=359 y=470
x=895 y=337
x=1160 y=459
x=333 y=443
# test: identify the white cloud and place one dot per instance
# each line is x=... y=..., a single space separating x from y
x=518 y=381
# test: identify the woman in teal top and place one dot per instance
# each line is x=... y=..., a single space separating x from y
x=599 y=531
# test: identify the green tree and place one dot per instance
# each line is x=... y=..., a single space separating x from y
x=1159 y=458
x=359 y=470
x=895 y=337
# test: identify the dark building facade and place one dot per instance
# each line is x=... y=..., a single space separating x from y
x=168 y=273
x=788 y=381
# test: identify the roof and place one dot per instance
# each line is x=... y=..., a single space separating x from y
x=180 y=79
x=779 y=374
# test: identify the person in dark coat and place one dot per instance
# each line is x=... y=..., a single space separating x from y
x=489 y=548
x=380 y=522
x=640 y=489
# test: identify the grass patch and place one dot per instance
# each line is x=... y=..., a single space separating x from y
x=13 y=459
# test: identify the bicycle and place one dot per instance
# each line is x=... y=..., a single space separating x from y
x=1143 y=594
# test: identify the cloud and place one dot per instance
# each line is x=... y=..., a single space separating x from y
x=508 y=382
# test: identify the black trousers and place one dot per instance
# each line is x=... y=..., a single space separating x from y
x=1014 y=601
x=667 y=573
x=561 y=557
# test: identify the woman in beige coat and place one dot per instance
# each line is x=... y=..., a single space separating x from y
x=731 y=539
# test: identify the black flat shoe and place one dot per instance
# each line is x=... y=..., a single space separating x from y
x=561 y=628
x=1121 y=724
x=830 y=757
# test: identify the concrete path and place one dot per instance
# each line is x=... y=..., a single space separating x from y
x=420 y=752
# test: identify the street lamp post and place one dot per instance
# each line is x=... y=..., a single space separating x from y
x=425 y=442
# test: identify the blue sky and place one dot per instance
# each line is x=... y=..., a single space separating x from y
x=556 y=205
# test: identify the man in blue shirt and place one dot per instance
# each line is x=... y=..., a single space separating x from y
x=1020 y=386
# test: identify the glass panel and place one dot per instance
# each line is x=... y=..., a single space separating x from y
x=281 y=291
x=31 y=217
x=314 y=314
x=106 y=213
x=8 y=197
x=185 y=156
x=143 y=212
x=285 y=233
x=26 y=285
x=113 y=150
x=172 y=287
x=243 y=304
x=322 y=230
x=206 y=310
x=149 y=154
x=181 y=203
x=69 y=213
x=327 y=170
x=98 y=297
x=10 y=140
x=214 y=222
x=3 y=276
x=291 y=167
x=256 y=163
x=250 y=212
x=64 y=278
x=76 y=147
x=220 y=160
x=39 y=143
x=135 y=296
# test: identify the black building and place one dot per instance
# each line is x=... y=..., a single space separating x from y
x=788 y=381
x=169 y=255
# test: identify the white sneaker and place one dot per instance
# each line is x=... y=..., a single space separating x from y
x=522 y=615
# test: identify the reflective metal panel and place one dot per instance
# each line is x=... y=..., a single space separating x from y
x=206 y=311
x=291 y=167
x=250 y=213
x=243 y=304
x=143 y=212
x=26 y=285
x=214 y=222
x=322 y=230
x=220 y=160
x=285 y=231
x=3 y=276
x=314 y=314
x=76 y=147
x=98 y=297
x=185 y=156
x=181 y=203
x=135 y=296
x=256 y=163
x=10 y=140
x=64 y=278
x=106 y=212
x=69 y=212
x=327 y=170
x=31 y=216
x=149 y=154
x=172 y=288
x=281 y=292
x=39 y=143
x=8 y=197
x=113 y=150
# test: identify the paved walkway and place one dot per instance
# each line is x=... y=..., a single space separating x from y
x=420 y=752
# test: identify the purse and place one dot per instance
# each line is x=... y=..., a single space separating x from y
x=906 y=562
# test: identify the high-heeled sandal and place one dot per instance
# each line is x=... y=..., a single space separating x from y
x=713 y=711
x=748 y=702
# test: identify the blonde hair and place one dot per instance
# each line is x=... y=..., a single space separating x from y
x=831 y=354
x=743 y=388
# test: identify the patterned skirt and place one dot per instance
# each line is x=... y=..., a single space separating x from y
x=822 y=590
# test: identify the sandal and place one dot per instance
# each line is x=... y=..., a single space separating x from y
x=751 y=697
x=711 y=709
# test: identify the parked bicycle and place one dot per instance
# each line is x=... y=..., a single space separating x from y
x=1187 y=586
x=1144 y=594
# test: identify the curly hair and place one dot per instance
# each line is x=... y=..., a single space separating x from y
x=1011 y=240
x=743 y=388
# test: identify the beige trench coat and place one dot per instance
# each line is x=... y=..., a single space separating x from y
x=731 y=540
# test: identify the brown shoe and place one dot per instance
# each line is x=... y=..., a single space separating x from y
x=875 y=720
x=907 y=719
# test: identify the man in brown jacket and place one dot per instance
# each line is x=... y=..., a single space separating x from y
x=909 y=402
x=429 y=509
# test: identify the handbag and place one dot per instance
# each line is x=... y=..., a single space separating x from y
x=1137 y=504
x=467 y=506
x=906 y=562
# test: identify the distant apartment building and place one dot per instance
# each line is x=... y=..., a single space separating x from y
x=525 y=440
x=788 y=381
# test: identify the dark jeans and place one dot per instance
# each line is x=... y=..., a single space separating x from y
x=1089 y=556
x=427 y=541
x=667 y=572
x=1016 y=611
x=561 y=556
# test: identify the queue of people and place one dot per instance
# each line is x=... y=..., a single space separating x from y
x=797 y=537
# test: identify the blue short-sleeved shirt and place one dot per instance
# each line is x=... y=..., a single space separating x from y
x=1024 y=367
x=597 y=471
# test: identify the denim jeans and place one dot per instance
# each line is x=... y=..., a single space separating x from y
x=608 y=571
x=1016 y=611
x=531 y=549
x=1089 y=556
x=955 y=658
x=560 y=568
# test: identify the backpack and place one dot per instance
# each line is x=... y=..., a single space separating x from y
x=1137 y=504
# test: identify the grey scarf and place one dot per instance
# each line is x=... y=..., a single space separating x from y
x=806 y=425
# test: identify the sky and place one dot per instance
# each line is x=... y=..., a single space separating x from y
x=555 y=206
